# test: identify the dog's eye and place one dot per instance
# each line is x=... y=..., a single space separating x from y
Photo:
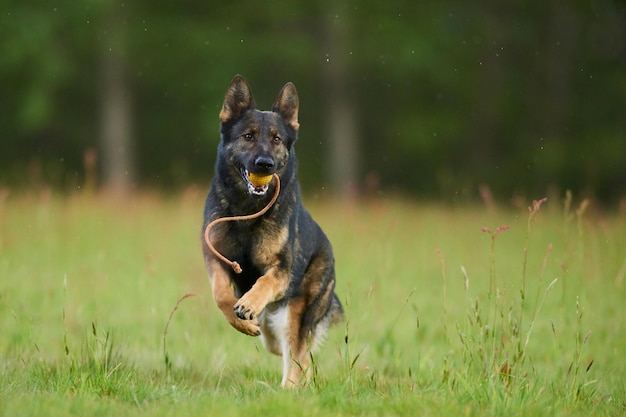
x=276 y=140
x=248 y=136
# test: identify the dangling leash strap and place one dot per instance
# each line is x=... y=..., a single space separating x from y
x=234 y=264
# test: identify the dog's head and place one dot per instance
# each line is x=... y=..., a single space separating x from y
x=256 y=144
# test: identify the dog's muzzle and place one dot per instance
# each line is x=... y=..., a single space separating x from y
x=253 y=189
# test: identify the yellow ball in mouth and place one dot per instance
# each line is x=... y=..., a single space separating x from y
x=259 y=180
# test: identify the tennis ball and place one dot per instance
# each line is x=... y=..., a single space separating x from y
x=259 y=180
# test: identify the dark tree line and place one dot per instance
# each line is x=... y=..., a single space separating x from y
x=425 y=98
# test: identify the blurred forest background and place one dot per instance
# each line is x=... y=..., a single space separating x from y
x=431 y=99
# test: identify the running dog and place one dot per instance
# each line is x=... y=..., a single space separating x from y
x=285 y=292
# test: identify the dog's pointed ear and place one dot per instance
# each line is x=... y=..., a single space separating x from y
x=238 y=98
x=287 y=105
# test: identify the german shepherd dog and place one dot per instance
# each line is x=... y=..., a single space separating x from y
x=285 y=293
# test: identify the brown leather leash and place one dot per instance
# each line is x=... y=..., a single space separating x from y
x=234 y=264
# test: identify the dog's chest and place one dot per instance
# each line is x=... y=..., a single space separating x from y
x=267 y=246
x=261 y=246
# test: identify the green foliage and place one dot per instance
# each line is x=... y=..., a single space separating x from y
x=519 y=96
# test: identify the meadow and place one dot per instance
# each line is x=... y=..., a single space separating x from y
x=450 y=311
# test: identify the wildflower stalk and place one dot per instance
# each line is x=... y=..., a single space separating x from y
x=532 y=217
x=493 y=290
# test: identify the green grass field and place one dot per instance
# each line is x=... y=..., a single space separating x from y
x=447 y=313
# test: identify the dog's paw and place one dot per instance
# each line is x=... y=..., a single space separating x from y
x=243 y=312
x=249 y=327
x=246 y=308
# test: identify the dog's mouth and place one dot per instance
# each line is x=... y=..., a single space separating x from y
x=253 y=189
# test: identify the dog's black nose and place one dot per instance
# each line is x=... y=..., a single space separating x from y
x=264 y=162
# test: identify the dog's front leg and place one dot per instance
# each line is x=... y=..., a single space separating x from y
x=268 y=288
x=225 y=298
